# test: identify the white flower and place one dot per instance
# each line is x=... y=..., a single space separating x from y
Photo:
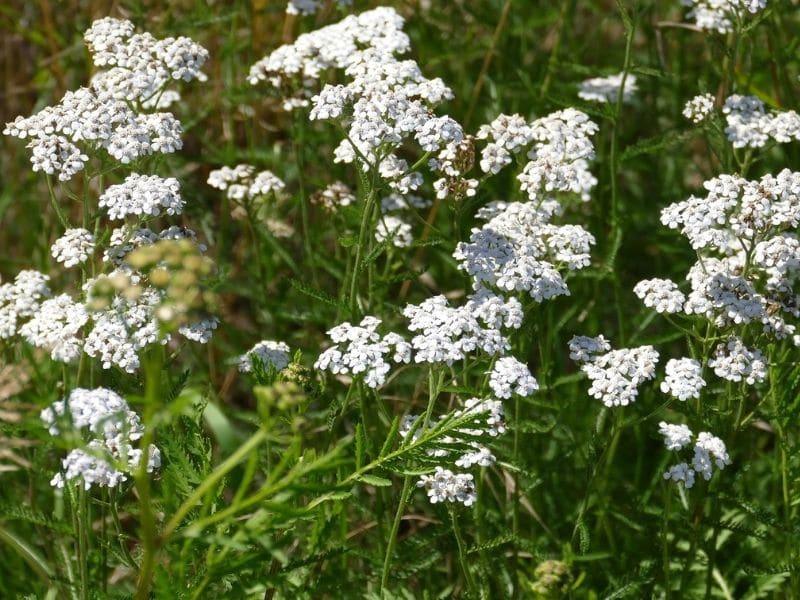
x=719 y=15
x=100 y=410
x=559 y=156
x=518 y=249
x=55 y=326
x=584 y=349
x=394 y=228
x=510 y=376
x=335 y=195
x=446 y=486
x=20 y=300
x=447 y=334
x=676 y=437
x=199 y=331
x=616 y=375
x=74 y=247
x=735 y=362
x=747 y=121
x=143 y=196
x=362 y=350
x=699 y=108
x=681 y=473
x=708 y=448
x=121 y=332
x=662 y=295
x=684 y=379
x=606 y=89
x=100 y=465
x=269 y=353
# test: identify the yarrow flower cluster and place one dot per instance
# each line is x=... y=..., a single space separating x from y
x=111 y=430
x=559 y=145
x=709 y=450
x=446 y=334
x=749 y=125
x=606 y=89
x=721 y=15
x=748 y=265
x=115 y=325
x=384 y=102
x=243 y=183
x=270 y=353
x=699 y=108
x=509 y=376
x=617 y=374
x=360 y=349
x=74 y=247
x=684 y=378
x=109 y=114
x=143 y=196
x=309 y=7
x=334 y=196
x=733 y=361
x=20 y=300
x=445 y=485
x=662 y=295
x=519 y=249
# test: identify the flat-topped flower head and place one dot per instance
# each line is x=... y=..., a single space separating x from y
x=676 y=437
x=269 y=352
x=721 y=15
x=733 y=361
x=684 y=378
x=606 y=89
x=446 y=486
x=445 y=334
x=699 y=108
x=616 y=375
x=361 y=350
x=103 y=412
x=21 y=299
x=518 y=249
x=708 y=451
x=56 y=326
x=74 y=247
x=510 y=376
x=143 y=196
x=662 y=295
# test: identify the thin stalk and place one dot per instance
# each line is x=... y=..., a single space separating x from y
x=152 y=362
x=434 y=383
x=366 y=217
x=487 y=61
x=552 y=62
x=54 y=203
x=298 y=144
x=462 y=551
x=616 y=230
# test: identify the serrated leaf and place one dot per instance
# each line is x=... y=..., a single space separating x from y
x=390 y=437
x=330 y=496
x=315 y=293
x=374 y=480
x=361 y=446
x=656 y=143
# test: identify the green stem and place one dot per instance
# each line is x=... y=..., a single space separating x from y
x=152 y=363
x=366 y=222
x=54 y=204
x=462 y=552
x=434 y=384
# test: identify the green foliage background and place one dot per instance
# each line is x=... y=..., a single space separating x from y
x=588 y=497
